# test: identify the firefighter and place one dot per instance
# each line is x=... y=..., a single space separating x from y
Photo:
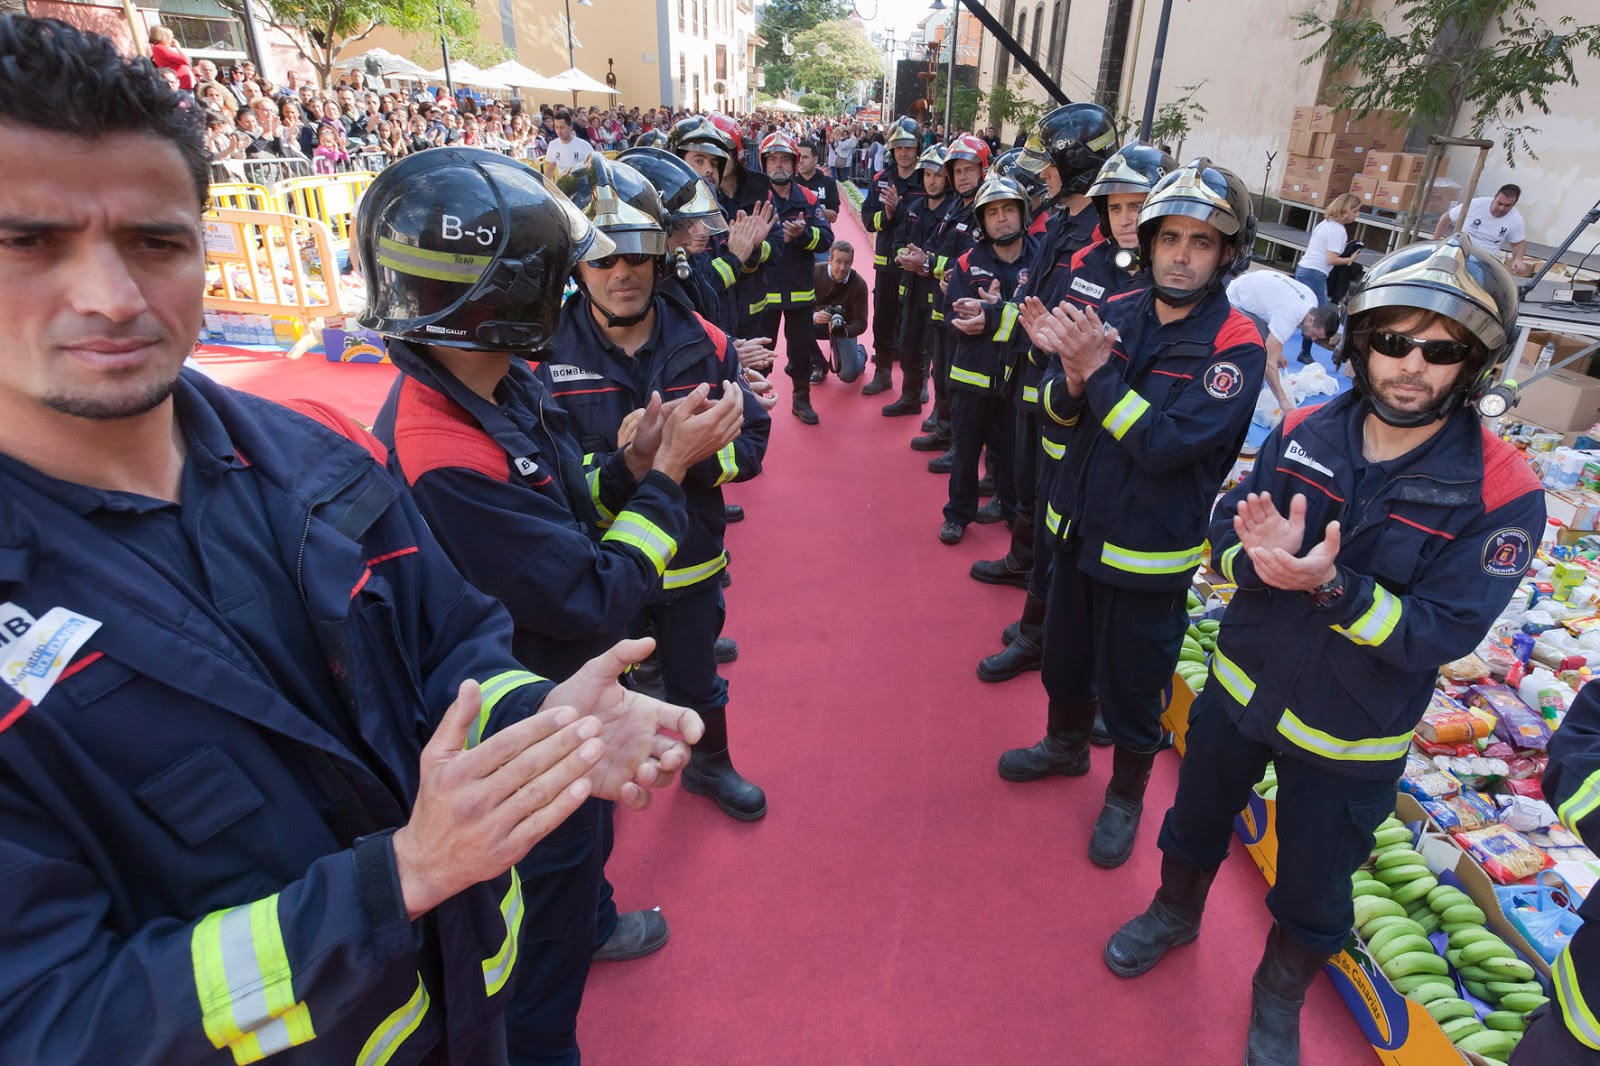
x=791 y=291
x=922 y=218
x=620 y=341
x=1097 y=273
x=1377 y=536
x=1566 y=1033
x=1158 y=399
x=986 y=273
x=264 y=797
x=880 y=214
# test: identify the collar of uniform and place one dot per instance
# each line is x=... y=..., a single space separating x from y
x=646 y=350
x=1456 y=437
x=489 y=416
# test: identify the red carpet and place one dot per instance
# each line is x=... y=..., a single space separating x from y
x=900 y=903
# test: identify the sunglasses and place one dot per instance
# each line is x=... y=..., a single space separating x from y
x=631 y=258
x=1439 y=353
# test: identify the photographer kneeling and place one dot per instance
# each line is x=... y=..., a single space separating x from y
x=841 y=314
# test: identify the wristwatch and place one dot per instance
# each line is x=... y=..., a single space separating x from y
x=1330 y=591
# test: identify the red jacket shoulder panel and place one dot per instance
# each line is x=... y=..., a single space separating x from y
x=1506 y=474
x=1297 y=416
x=341 y=424
x=965 y=259
x=719 y=339
x=1082 y=254
x=433 y=432
x=1237 y=330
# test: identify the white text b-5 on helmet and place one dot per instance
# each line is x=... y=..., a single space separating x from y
x=1211 y=195
x=467 y=248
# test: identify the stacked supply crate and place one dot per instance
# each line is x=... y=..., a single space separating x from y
x=1389 y=182
x=1329 y=147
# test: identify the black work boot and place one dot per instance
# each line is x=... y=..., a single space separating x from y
x=1018 y=562
x=710 y=772
x=638 y=933
x=908 y=403
x=726 y=650
x=990 y=513
x=1009 y=633
x=1100 y=736
x=1063 y=750
x=1118 y=824
x=931 y=422
x=943 y=464
x=882 y=381
x=1024 y=651
x=1171 y=921
x=937 y=439
x=1278 y=991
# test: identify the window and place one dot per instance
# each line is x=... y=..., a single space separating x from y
x=1038 y=24
x=1022 y=29
x=722 y=62
x=680 y=14
x=206 y=34
x=1058 y=36
x=694 y=17
x=683 y=80
x=1002 y=67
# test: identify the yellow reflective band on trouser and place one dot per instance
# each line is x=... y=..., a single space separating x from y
x=1580 y=1019
x=1234 y=680
x=725 y=272
x=1008 y=322
x=1052 y=449
x=1030 y=394
x=1052 y=522
x=1125 y=413
x=638 y=531
x=494 y=690
x=880 y=260
x=1048 y=409
x=592 y=476
x=1138 y=562
x=1373 y=749
x=938 y=316
x=968 y=377
x=1581 y=803
x=1225 y=564
x=497 y=968
x=794 y=297
x=1378 y=621
x=693 y=575
x=393 y=1030
x=729 y=464
x=244 y=983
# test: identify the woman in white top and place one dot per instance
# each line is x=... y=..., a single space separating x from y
x=1322 y=253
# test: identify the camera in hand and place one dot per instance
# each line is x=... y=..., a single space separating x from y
x=835 y=319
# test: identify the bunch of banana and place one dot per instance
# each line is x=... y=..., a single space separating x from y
x=1267 y=787
x=1196 y=604
x=1198 y=643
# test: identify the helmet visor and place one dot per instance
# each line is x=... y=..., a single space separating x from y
x=632 y=241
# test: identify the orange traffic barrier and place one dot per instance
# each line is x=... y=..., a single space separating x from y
x=271 y=276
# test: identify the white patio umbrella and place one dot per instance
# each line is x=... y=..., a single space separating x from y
x=574 y=80
x=786 y=107
x=388 y=63
x=518 y=76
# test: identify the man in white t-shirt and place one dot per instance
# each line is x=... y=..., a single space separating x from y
x=567 y=151
x=1494 y=224
x=1281 y=305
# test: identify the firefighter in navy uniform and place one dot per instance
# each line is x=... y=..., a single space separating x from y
x=701 y=264
x=922 y=217
x=880 y=212
x=1065 y=152
x=1567 y=1032
x=498 y=474
x=1097 y=273
x=1158 y=401
x=790 y=273
x=991 y=269
x=1378 y=536
x=619 y=342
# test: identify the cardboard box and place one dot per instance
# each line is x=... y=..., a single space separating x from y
x=1340 y=168
x=1564 y=401
x=1300 y=118
x=1576 y=509
x=1176 y=702
x=1379 y=165
x=1565 y=346
x=1339 y=144
x=1300 y=142
x=1388 y=125
x=1395 y=195
x=1408 y=167
x=1325 y=119
x=1364 y=186
x=1297 y=166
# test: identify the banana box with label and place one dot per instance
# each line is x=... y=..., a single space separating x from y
x=1175 y=711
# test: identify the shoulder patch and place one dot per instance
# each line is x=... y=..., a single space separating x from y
x=1298 y=415
x=433 y=432
x=1507 y=552
x=341 y=424
x=1237 y=329
x=1506 y=474
x=1223 y=381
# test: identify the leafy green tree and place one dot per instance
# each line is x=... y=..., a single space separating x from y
x=327 y=27
x=1009 y=105
x=481 y=53
x=1497 y=59
x=783 y=20
x=834 y=55
x=1174 y=121
x=817 y=104
x=968 y=99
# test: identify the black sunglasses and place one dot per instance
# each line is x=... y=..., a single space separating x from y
x=631 y=258
x=1439 y=353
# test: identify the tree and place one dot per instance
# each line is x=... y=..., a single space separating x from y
x=481 y=53
x=968 y=99
x=1496 y=57
x=326 y=27
x=1174 y=121
x=833 y=55
x=783 y=20
x=1009 y=105
x=817 y=104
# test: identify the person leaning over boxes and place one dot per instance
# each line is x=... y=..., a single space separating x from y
x=1280 y=305
x=1567 y=1032
x=1378 y=535
x=266 y=759
x=1494 y=224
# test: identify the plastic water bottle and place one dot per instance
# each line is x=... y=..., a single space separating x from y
x=1546 y=354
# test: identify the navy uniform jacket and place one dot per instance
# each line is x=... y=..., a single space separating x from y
x=1064 y=236
x=876 y=220
x=713 y=279
x=597 y=385
x=922 y=224
x=1572 y=787
x=750 y=288
x=504 y=487
x=980 y=363
x=1432 y=546
x=1157 y=429
x=788 y=274
x=953 y=238
x=191 y=865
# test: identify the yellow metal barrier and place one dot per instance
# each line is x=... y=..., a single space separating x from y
x=329 y=198
x=271 y=276
x=243 y=195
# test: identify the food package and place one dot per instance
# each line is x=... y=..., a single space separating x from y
x=1505 y=855
x=1467 y=669
x=1424 y=780
x=1516 y=723
x=1532 y=787
x=1463 y=748
x=1462 y=812
x=1473 y=771
x=1526 y=767
x=1451 y=726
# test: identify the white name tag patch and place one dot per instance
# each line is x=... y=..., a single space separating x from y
x=37 y=651
x=568 y=372
x=1088 y=288
x=1294 y=453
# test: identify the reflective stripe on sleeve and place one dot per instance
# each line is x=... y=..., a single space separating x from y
x=693 y=575
x=1052 y=522
x=1379 y=620
x=1008 y=322
x=638 y=531
x=725 y=272
x=939 y=266
x=1030 y=395
x=938 y=316
x=1125 y=413
x=1581 y=803
x=728 y=463
x=877 y=224
x=244 y=982
x=1580 y=1019
x=592 y=476
x=1052 y=449
x=494 y=690
x=1048 y=409
x=497 y=968
x=393 y=1030
x=1373 y=749
x=816 y=236
x=880 y=260
x=759 y=306
x=1138 y=562
x=1225 y=564
x=1234 y=681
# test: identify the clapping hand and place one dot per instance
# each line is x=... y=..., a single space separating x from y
x=1271 y=540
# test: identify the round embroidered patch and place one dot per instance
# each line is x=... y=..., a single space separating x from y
x=1507 y=553
x=1224 y=381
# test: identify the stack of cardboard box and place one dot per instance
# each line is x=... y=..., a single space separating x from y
x=1329 y=147
x=1389 y=180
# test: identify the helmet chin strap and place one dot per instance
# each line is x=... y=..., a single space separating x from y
x=1008 y=240
x=623 y=321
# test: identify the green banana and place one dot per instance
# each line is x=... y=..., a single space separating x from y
x=1379 y=941
x=1377 y=925
x=1502 y=968
x=1431 y=992
x=1478 y=988
x=1416 y=962
x=1399 y=945
x=1370 y=907
x=1399 y=875
x=1512 y=988
x=1193 y=655
x=1429 y=922
x=1462 y=937
x=1523 y=1002
x=1490 y=1043
x=1456 y=1028
x=1505 y=1021
x=1412 y=891
x=1387 y=837
x=1396 y=857
x=1475 y=953
x=1462 y=912
x=1437 y=898
x=1444 y=1010
x=1456 y=927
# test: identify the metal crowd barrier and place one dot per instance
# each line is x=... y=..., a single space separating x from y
x=270 y=276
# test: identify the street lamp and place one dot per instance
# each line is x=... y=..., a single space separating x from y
x=444 y=47
x=950 y=74
x=572 y=62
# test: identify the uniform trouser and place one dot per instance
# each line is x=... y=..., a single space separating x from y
x=1325 y=822
x=800 y=342
x=686 y=631
x=975 y=423
x=1025 y=456
x=563 y=879
x=940 y=345
x=1112 y=644
x=1044 y=541
x=886 y=282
